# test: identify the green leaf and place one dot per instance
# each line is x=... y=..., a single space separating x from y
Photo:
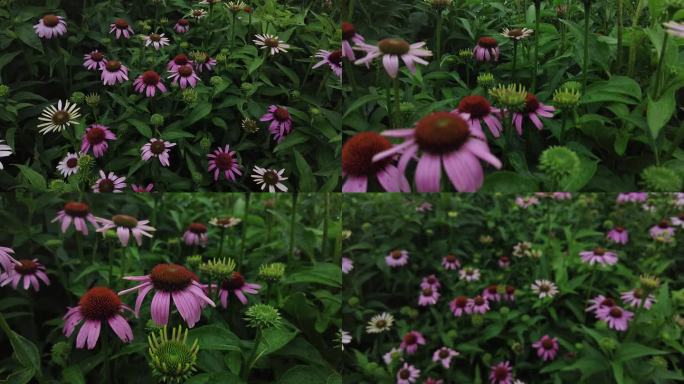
x=197 y=114
x=509 y=182
x=272 y=339
x=361 y=102
x=28 y=36
x=321 y=273
x=303 y=374
x=143 y=128
x=22 y=376
x=73 y=375
x=214 y=337
x=306 y=180
x=25 y=351
x=35 y=179
x=628 y=351
x=659 y=112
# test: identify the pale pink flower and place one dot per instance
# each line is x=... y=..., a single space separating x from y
x=391 y=50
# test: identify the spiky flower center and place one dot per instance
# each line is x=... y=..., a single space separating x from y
x=500 y=373
x=620 y=229
x=170 y=277
x=531 y=103
x=185 y=71
x=181 y=59
x=516 y=32
x=60 y=117
x=380 y=323
x=97 y=56
x=478 y=300
x=155 y=37
x=72 y=162
x=544 y=287
x=197 y=228
x=547 y=343
x=427 y=292
x=176 y=358
x=598 y=251
x=282 y=114
x=183 y=22
x=76 y=209
x=405 y=374
x=157 y=147
x=443 y=353
x=477 y=106
x=487 y=42
x=198 y=13
x=50 y=20
x=431 y=280
x=396 y=255
x=106 y=185
x=492 y=289
x=394 y=46
x=237 y=281
x=664 y=224
x=504 y=259
x=358 y=152
x=125 y=221
x=510 y=290
x=348 y=30
x=224 y=161
x=150 y=78
x=615 y=312
x=441 y=132
x=608 y=302
x=96 y=135
x=335 y=57
x=451 y=258
x=410 y=339
x=270 y=177
x=638 y=293
x=99 y=304
x=121 y=23
x=461 y=301
x=271 y=42
x=113 y=65
x=26 y=267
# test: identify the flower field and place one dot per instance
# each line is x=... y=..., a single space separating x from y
x=173 y=288
x=513 y=96
x=548 y=288
x=169 y=95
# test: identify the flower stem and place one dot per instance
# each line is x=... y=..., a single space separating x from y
x=293 y=216
x=537 y=13
x=223 y=236
x=243 y=236
x=397 y=109
x=515 y=59
x=618 y=60
x=659 y=70
x=635 y=40
x=564 y=118
x=349 y=70
x=232 y=31
x=438 y=37
x=326 y=212
x=585 y=64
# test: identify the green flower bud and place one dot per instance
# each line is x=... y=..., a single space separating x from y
x=486 y=80
x=601 y=325
x=579 y=346
x=249 y=125
x=452 y=214
x=452 y=334
x=649 y=282
x=215 y=81
x=246 y=86
x=366 y=227
x=190 y=96
x=221 y=58
x=658 y=362
x=566 y=98
x=272 y=271
x=86 y=165
x=295 y=94
x=517 y=348
x=512 y=96
x=60 y=353
x=559 y=162
x=196 y=177
x=313 y=111
x=525 y=318
x=157 y=120
x=608 y=343
x=573 y=86
x=661 y=179
x=199 y=56
x=487 y=359
x=353 y=301
x=93 y=100
x=57 y=185
x=429 y=232
x=263 y=316
x=477 y=320
x=504 y=311
x=77 y=97
x=465 y=54
x=103 y=41
x=164 y=20
x=218 y=269
x=4 y=90
x=205 y=143
x=172 y=359
x=53 y=244
x=193 y=261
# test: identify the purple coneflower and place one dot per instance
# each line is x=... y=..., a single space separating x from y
x=196 y=234
x=547 y=347
x=487 y=49
x=411 y=341
x=618 y=235
x=126 y=226
x=148 y=83
x=96 y=136
x=501 y=373
x=204 y=63
x=121 y=28
x=459 y=306
x=544 y=288
x=156 y=40
x=239 y=287
x=430 y=282
x=451 y=262
x=599 y=256
x=142 y=188
x=533 y=109
x=504 y=262
x=97 y=305
x=94 y=60
x=407 y=374
x=178 y=61
x=599 y=302
x=50 y=26
x=428 y=296
x=157 y=148
x=390 y=50
x=636 y=296
x=632 y=197
x=109 y=183
x=662 y=231
x=114 y=72
x=32 y=271
x=675 y=29
x=397 y=258
x=68 y=165
x=444 y=356
x=616 y=317
x=269 y=178
x=77 y=213
x=678 y=220
x=478 y=304
x=469 y=274
x=281 y=122
x=349 y=36
x=347 y=265
x=5 y=151
x=182 y=26
x=509 y=293
x=332 y=58
x=358 y=165
x=475 y=108
x=445 y=139
x=491 y=293
x=7 y=262
x=271 y=44
x=184 y=76
x=223 y=161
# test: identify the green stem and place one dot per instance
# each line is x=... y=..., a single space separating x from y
x=110 y=260
x=293 y=216
x=537 y=13
x=389 y=104
x=79 y=246
x=438 y=37
x=243 y=235
x=564 y=118
x=587 y=15
x=350 y=10
x=659 y=70
x=397 y=108
x=515 y=59
x=232 y=32
x=253 y=356
x=223 y=236
x=349 y=70
x=105 y=349
x=326 y=212
x=618 y=60
x=635 y=40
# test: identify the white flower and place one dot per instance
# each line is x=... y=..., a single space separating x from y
x=69 y=165
x=517 y=33
x=156 y=40
x=5 y=150
x=544 y=288
x=270 y=178
x=272 y=43
x=57 y=119
x=343 y=337
x=469 y=274
x=380 y=323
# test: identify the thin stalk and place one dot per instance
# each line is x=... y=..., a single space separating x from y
x=349 y=70
x=232 y=31
x=515 y=59
x=537 y=15
x=659 y=70
x=293 y=216
x=326 y=213
x=79 y=246
x=438 y=37
x=223 y=236
x=243 y=235
x=585 y=64
x=110 y=260
x=389 y=103
x=105 y=349
x=397 y=108
x=618 y=61
x=350 y=10
x=635 y=41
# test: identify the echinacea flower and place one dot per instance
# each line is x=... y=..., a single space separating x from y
x=491 y=293
x=392 y=355
x=68 y=165
x=148 y=83
x=184 y=76
x=5 y=151
x=332 y=58
x=478 y=304
x=57 y=119
x=96 y=136
x=475 y=109
x=203 y=62
x=77 y=213
x=120 y=28
x=94 y=60
x=459 y=306
x=178 y=61
x=600 y=256
x=182 y=26
x=617 y=318
x=445 y=139
x=469 y=274
x=428 y=296
x=349 y=36
x=397 y=258
x=344 y=338
x=430 y=282
x=526 y=201
x=675 y=29
x=156 y=40
x=7 y=262
x=487 y=49
x=114 y=72
x=358 y=165
x=632 y=197
x=347 y=265
x=533 y=109
x=239 y=287
x=618 y=235
x=544 y=288
x=380 y=323
x=157 y=148
x=223 y=161
x=444 y=356
x=225 y=222
x=390 y=50
x=50 y=26
x=517 y=33
x=126 y=226
x=407 y=374
x=600 y=302
x=281 y=122
x=170 y=282
x=547 y=347
x=411 y=341
x=197 y=14
x=271 y=43
x=509 y=293
x=109 y=183
x=638 y=298
x=32 y=271
x=501 y=373
x=662 y=232
x=504 y=261
x=677 y=221
x=430 y=380
x=269 y=178
x=142 y=188
x=451 y=262
x=97 y=305
x=196 y=234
